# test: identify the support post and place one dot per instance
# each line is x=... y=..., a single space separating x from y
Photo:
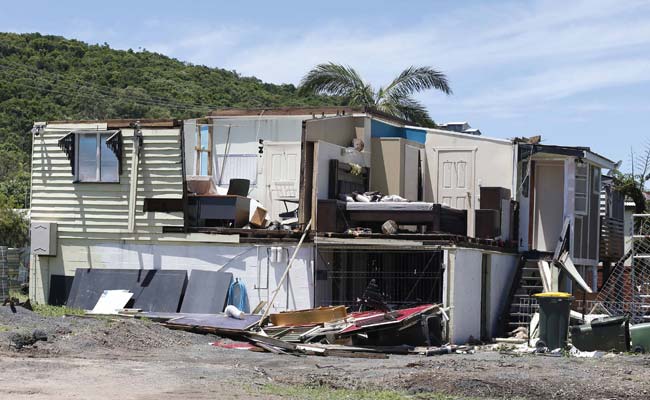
x=135 y=165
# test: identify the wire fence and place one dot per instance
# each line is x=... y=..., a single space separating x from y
x=12 y=272
x=404 y=278
x=627 y=290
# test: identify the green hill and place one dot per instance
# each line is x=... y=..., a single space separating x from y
x=51 y=78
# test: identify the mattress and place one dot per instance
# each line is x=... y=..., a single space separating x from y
x=389 y=206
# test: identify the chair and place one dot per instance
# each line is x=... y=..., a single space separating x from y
x=239 y=187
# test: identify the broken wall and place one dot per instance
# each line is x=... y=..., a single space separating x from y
x=465 y=291
x=326 y=139
x=339 y=130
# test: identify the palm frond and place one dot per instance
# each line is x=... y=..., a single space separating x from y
x=416 y=79
x=641 y=164
x=337 y=80
x=407 y=108
x=644 y=162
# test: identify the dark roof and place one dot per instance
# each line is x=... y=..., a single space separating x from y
x=526 y=150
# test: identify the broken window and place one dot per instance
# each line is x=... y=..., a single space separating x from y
x=525 y=178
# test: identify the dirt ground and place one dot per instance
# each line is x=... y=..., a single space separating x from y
x=88 y=358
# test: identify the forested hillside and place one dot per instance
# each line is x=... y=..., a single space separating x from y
x=50 y=78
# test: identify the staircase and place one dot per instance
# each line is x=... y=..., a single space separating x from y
x=526 y=283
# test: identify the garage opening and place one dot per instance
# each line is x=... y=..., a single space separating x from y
x=405 y=277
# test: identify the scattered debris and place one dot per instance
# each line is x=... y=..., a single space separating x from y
x=111 y=301
x=312 y=316
x=234 y=312
x=23 y=339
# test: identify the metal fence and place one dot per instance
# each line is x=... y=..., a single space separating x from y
x=12 y=273
x=406 y=278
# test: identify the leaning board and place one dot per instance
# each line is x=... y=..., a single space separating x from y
x=207 y=292
x=153 y=290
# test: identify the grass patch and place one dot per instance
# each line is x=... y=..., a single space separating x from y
x=4 y=328
x=17 y=294
x=55 y=311
x=326 y=393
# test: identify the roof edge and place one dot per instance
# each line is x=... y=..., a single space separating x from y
x=125 y=123
x=306 y=111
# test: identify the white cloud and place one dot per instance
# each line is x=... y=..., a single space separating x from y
x=208 y=47
x=561 y=82
x=498 y=58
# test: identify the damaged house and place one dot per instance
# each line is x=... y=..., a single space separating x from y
x=234 y=193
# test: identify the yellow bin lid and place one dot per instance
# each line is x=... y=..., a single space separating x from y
x=561 y=295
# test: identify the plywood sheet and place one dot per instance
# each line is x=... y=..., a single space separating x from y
x=153 y=290
x=111 y=301
x=206 y=292
x=218 y=321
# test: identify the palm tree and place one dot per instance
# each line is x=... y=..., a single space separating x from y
x=395 y=99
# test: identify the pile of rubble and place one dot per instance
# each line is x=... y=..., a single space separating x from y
x=326 y=331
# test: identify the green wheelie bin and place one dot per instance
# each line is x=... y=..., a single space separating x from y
x=554 y=309
x=640 y=334
x=604 y=334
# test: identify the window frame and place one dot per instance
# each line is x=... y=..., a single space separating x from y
x=596 y=175
x=586 y=194
x=199 y=150
x=98 y=157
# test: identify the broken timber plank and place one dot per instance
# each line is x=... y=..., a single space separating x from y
x=270 y=341
x=355 y=354
x=562 y=240
x=566 y=262
x=545 y=273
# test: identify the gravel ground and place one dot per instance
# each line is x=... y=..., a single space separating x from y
x=89 y=358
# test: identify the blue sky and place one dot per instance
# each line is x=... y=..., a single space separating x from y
x=576 y=72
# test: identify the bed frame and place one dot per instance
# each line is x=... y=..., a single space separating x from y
x=438 y=219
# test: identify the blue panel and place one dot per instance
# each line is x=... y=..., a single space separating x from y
x=381 y=129
x=416 y=135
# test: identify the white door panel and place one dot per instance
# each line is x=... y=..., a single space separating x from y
x=282 y=176
x=456 y=182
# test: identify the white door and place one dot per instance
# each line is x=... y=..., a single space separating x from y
x=456 y=182
x=282 y=171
